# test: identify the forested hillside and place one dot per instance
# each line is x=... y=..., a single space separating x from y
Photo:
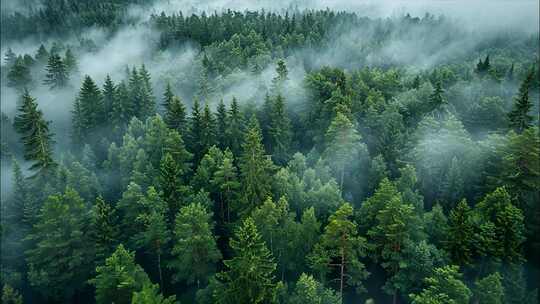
x=290 y=154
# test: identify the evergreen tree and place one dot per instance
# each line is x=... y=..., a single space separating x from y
x=235 y=129
x=255 y=169
x=226 y=180
x=92 y=110
x=489 y=290
x=221 y=125
x=249 y=274
x=10 y=57
x=208 y=130
x=308 y=290
x=343 y=145
x=57 y=74
x=460 y=234
x=119 y=278
x=105 y=233
x=10 y=295
x=167 y=96
x=42 y=55
x=279 y=131
x=175 y=116
x=519 y=118
x=194 y=246
x=341 y=247
x=149 y=294
x=195 y=132
x=282 y=76
x=59 y=263
x=444 y=287
x=36 y=137
x=171 y=185
x=19 y=75
x=109 y=98
x=70 y=62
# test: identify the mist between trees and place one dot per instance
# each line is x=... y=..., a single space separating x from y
x=270 y=151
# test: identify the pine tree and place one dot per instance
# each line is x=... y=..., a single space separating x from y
x=167 y=97
x=195 y=132
x=57 y=75
x=208 y=130
x=194 y=245
x=281 y=77
x=343 y=145
x=175 y=116
x=172 y=185
x=452 y=189
x=19 y=74
x=489 y=290
x=445 y=287
x=255 y=169
x=60 y=263
x=341 y=247
x=308 y=290
x=437 y=102
x=92 y=110
x=105 y=233
x=249 y=274
x=10 y=295
x=70 y=62
x=42 y=55
x=460 y=234
x=519 y=118
x=226 y=180
x=221 y=125
x=149 y=294
x=235 y=129
x=109 y=97
x=279 y=131
x=36 y=137
x=119 y=278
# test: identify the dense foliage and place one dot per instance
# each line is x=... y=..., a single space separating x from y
x=386 y=183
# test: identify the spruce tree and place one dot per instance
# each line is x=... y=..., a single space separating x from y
x=119 y=278
x=92 y=109
x=249 y=275
x=36 y=137
x=221 y=125
x=105 y=234
x=519 y=118
x=255 y=169
x=57 y=74
x=279 y=131
x=195 y=132
x=175 y=116
x=226 y=180
x=195 y=252
x=149 y=294
x=489 y=290
x=235 y=129
x=444 y=286
x=42 y=55
x=172 y=185
x=460 y=234
x=61 y=262
x=109 y=97
x=19 y=75
x=70 y=62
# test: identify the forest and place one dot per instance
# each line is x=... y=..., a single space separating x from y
x=269 y=152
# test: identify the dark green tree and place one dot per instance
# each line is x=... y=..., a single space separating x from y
x=519 y=118
x=19 y=76
x=57 y=74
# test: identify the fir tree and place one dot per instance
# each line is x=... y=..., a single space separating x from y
x=519 y=118
x=119 y=278
x=235 y=129
x=149 y=294
x=249 y=274
x=226 y=179
x=92 y=109
x=279 y=131
x=208 y=130
x=221 y=125
x=194 y=246
x=42 y=55
x=57 y=75
x=70 y=62
x=255 y=169
x=36 y=137
x=109 y=98
x=105 y=233
x=19 y=74
x=460 y=234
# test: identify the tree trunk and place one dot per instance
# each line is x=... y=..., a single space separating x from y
x=159 y=271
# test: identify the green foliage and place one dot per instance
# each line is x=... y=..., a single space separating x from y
x=308 y=290
x=519 y=118
x=489 y=289
x=119 y=278
x=194 y=246
x=150 y=294
x=61 y=261
x=249 y=274
x=11 y=296
x=57 y=75
x=444 y=287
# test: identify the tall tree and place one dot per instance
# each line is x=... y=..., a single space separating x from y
x=195 y=133
x=221 y=125
x=19 y=76
x=308 y=290
x=149 y=294
x=70 y=62
x=279 y=131
x=36 y=137
x=60 y=263
x=235 y=129
x=255 y=169
x=110 y=97
x=519 y=118
x=343 y=145
x=460 y=234
x=119 y=278
x=489 y=290
x=341 y=247
x=92 y=110
x=226 y=180
x=105 y=234
x=445 y=287
x=249 y=274
x=194 y=245
x=175 y=116
x=57 y=75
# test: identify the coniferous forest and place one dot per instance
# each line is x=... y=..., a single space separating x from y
x=257 y=152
